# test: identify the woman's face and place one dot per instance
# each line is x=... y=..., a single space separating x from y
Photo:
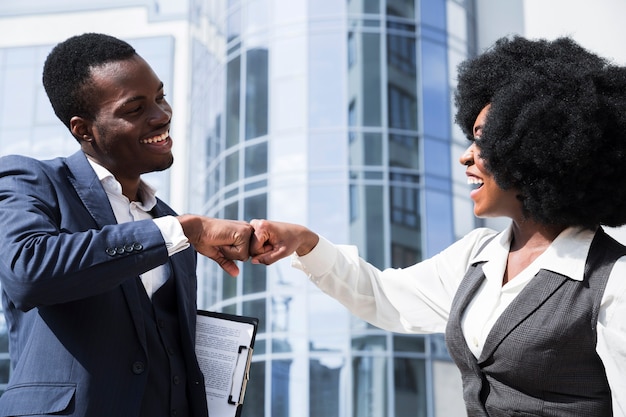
x=489 y=199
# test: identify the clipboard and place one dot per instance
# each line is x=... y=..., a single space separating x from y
x=224 y=347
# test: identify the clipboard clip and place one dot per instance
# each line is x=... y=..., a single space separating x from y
x=245 y=379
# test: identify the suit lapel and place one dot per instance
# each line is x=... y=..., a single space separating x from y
x=89 y=189
x=94 y=198
x=465 y=293
x=536 y=292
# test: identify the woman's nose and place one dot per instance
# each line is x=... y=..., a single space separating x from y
x=467 y=158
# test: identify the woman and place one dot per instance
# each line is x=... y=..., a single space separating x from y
x=534 y=315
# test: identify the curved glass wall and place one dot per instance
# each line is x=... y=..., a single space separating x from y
x=336 y=115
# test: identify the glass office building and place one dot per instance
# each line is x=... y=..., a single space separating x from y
x=334 y=114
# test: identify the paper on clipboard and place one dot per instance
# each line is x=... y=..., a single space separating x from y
x=224 y=346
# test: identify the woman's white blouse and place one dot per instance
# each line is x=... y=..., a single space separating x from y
x=417 y=299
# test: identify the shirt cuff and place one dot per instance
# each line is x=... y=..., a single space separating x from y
x=317 y=262
x=172 y=232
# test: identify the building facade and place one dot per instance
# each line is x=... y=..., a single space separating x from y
x=336 y=115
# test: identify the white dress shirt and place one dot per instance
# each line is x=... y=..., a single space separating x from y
x=128 y=211
x=417 y=299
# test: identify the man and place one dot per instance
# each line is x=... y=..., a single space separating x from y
x=98 y=276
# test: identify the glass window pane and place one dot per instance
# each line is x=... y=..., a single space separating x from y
x=366 y=149
x=371 y=102
x=281 y=379
x=403 y=8
x=254 y=278
x=326 y=86
x=233 y=92
x=255 y=391
x=410 y=344
x=231 y=168
x=410 y=387
x=324 y=389
x=256 y=93
x=256 y=308
x=369 y=343
x=369 y=381
x=256 y=160
x=373 y=219
x=404 y=151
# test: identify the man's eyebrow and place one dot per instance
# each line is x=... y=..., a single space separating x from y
x=135 y=98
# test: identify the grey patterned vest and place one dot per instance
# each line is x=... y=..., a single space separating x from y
x=540 y=357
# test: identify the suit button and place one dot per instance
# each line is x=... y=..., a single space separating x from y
x=129 y=247
x=176 y=380
x=111 y=251
x=138 y=246
x=138 y=368
x=120 y=250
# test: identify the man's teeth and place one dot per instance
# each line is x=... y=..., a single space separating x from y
x=156 y=139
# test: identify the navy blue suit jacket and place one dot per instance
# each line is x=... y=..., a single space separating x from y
x=68 y=273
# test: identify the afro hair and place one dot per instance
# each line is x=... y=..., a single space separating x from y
x=67 y=71
x=556 y=129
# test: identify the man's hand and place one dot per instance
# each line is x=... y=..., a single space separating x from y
x=273 y=241
x=224 y=241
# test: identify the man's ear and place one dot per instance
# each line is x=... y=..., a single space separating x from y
x=81 y=129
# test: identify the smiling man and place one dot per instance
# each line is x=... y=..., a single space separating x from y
x=99 y=275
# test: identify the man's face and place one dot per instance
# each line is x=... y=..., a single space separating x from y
x=130 y=131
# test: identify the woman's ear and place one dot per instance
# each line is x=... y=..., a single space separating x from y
x=81 y=129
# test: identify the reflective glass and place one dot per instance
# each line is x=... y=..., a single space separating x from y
x=401 y=8
x=233 y=91
x=233 y=25
x=327 y=150
x=254 y=278
x=363 y=6
x=409 y=344
x=366 y=149
x=326 y=83
x=328 y=326
x=256 y=93
x=435 y=89
x=433 y=12
x=373 y=209
x=404 y=151
x=324 y=386
x=281 y=380
x=231 y=168
x=256 y=160
x=369 y=381
x=256 y=15
x=255 y=391
x=402 y=107
x=410 y=391
x=371 y=99
x=369 y=343
x=256 y=308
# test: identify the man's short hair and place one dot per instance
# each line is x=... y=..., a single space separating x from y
x=67 y=71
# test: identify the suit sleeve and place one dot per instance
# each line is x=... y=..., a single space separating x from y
x=51 y=248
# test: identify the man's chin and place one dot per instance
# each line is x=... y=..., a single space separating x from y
x=165 y=165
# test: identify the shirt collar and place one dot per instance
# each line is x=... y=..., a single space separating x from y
x=112 y=186
x=566 y=255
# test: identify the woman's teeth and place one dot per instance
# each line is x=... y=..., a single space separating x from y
x=476 y=182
